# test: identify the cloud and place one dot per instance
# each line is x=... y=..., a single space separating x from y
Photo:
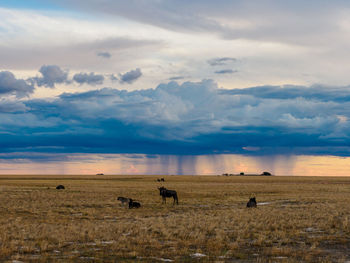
x=91 y=79
x=51 y=75
x=288 y=92
x=176 y=78
x=225 y=71
x=231 y=19
x=10 y=106
x=131 y=76
x=113 y=78
x=191 y=118
x=9 y=85
x=220 y=61
x=104 y=54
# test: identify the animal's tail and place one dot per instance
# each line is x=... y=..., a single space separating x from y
x=176 y=199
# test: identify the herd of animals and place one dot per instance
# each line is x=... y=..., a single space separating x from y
x=164 y=193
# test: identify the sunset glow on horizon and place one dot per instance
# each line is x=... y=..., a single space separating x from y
x=185 y=165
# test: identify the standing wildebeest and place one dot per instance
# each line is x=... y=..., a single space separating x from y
x=59 y=187
x=133 y=204
x=123 y=200
x=252 y=202
x=162 y=179
x=168 y=193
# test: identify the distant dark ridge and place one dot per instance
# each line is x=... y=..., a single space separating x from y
x=240 y=174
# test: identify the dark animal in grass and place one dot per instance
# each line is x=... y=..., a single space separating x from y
x=162 y=179
x=158 y=180
x=133 y=204
x=123 y=200
x=60 y=187
x=168 y=193
x=251 y=202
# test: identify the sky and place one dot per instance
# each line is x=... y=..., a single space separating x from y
x=174 y=87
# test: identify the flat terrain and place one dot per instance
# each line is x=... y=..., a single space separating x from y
x=298 y=219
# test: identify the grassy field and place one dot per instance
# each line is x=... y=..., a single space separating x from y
x=298 y=219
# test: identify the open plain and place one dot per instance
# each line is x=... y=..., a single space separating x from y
x=298 y=219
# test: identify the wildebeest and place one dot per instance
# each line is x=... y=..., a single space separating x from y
x=60 y=187
x=251 y=202
x=162 y=179
x=133 y=204
x=168 y=193
x=123 y=200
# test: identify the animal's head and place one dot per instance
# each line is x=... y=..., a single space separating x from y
x=161 y=189
x=119 y=198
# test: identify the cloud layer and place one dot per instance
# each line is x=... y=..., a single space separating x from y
x=191 y=118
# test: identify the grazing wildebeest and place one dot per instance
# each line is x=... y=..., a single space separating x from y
x=168 y=193
x=251 y=202
x=162 y=179
x=158 y=180
x=133 y=204
x=123 y=200
x=59 y=187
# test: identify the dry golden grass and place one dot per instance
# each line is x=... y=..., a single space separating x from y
x=301 y=219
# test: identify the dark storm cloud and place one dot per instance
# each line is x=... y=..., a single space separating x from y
x=9 y=85
x=9 y=106
x=131 y=76
x=191 y=118
x=315 y=92
x=225 y=71
x=90 y=79
x=220 y=61
x=51 y=75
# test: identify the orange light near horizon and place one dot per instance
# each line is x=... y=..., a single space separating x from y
x=203 y=164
